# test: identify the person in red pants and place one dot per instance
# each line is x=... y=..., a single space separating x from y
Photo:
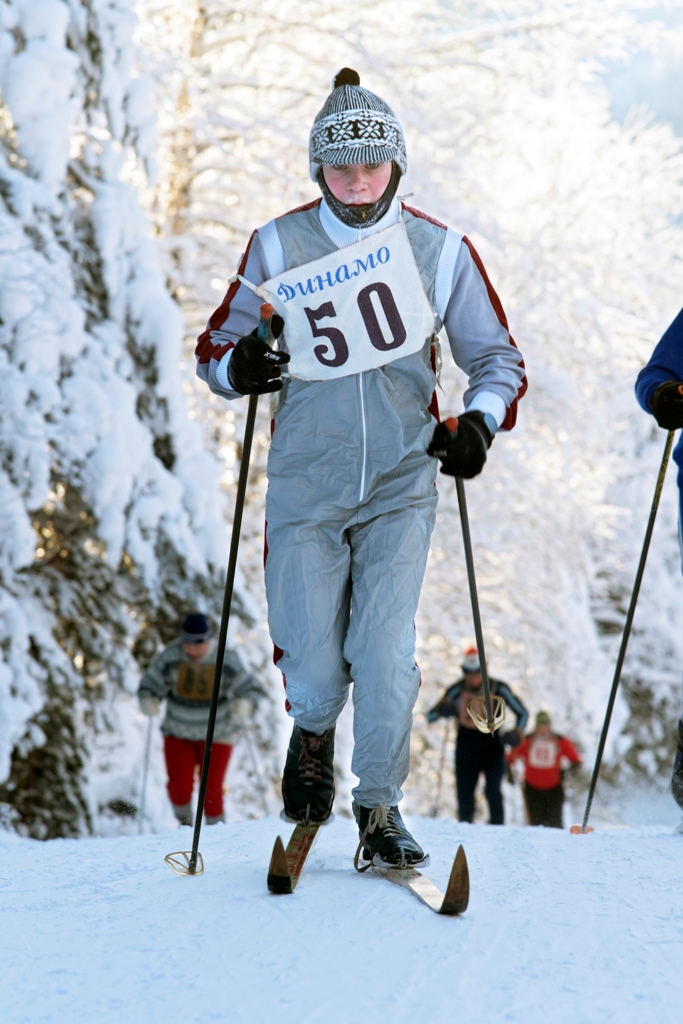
x=182 y=674
x=544 y=753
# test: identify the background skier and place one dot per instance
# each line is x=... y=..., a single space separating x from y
x=477 y=752
x=182 y=674
x=544 y=755
x=351 y=498
x=659 y=390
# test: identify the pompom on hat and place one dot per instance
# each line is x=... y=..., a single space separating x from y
x=470 y=660
x=355 y=127
x=195 y=629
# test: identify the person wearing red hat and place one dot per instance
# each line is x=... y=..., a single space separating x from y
x=477 y=752
x=544 y=754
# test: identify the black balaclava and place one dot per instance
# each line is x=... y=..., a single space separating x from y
x=366 y=214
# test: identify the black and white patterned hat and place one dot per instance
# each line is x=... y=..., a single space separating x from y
x=355 y=127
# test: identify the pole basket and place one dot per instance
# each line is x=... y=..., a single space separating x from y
x=579 y=830
x=478 y=714
x=180 y=863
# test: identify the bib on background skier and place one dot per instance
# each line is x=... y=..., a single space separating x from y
x=659 y=390
x=182 y=675
x=364 y=284
x=544 y=755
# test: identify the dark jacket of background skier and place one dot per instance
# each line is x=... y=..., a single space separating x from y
x=449 y=705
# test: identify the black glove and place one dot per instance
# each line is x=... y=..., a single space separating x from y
x=666 y=405
x=513 y=738
x=464 y=453
x=254 y=368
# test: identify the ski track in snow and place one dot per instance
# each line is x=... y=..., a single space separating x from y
x=559 y=928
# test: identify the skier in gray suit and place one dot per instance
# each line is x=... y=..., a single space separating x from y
x=352 y=465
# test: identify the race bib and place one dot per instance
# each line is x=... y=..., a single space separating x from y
x=543 y=753
x=358 y=308
x=195 y=682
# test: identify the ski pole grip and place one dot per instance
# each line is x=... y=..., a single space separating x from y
x=266 y=315
x=451 y=425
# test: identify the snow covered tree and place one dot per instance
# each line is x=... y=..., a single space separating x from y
x=111 y=511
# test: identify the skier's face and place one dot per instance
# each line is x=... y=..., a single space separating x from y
x=357 y=184
x=195 y=652
x=472 y=680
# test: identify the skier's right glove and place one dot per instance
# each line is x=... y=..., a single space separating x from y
x=462 y=453
x=444 y=709
x=254 y=368
x=666 y=405
x=149 y=705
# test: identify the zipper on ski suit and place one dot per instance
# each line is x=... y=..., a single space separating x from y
x=364 y=436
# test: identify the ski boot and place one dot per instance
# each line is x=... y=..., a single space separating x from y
x=308 y=778
x=385 y=840
x=677 y=776
x=183 y=813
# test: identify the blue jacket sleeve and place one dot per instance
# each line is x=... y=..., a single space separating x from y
x=515 y=705
x=666 y=363
x=448 y=705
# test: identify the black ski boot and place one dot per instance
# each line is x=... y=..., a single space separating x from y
x=385 y=840
x=677 y=777
x=308 y=778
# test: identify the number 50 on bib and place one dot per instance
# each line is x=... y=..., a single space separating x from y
x=357 y=309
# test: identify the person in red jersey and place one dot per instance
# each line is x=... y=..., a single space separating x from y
x=544 y=755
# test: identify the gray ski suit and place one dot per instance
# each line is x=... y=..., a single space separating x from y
x=352 y=497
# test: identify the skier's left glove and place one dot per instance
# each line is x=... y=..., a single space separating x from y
x=254 y=367
x=462 y=453
x=513 y=738
x=666 y=405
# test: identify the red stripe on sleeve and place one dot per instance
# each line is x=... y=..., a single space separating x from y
x=511 y=416
x=423 y=216
x=206 y=350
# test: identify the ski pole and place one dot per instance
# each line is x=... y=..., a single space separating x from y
x=145 y=769
x=627 y=630
x=493 y=721
x=189 y=865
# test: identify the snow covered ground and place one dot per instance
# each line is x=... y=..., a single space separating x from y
x=559 y=928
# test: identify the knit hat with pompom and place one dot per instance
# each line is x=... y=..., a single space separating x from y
x=470 y=660
x=355 y=127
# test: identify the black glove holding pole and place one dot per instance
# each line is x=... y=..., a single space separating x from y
x=254 y=367
x=666 y=405
x=462 y=444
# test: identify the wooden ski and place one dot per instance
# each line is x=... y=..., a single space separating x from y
x=457 y=895
x=286 y=865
